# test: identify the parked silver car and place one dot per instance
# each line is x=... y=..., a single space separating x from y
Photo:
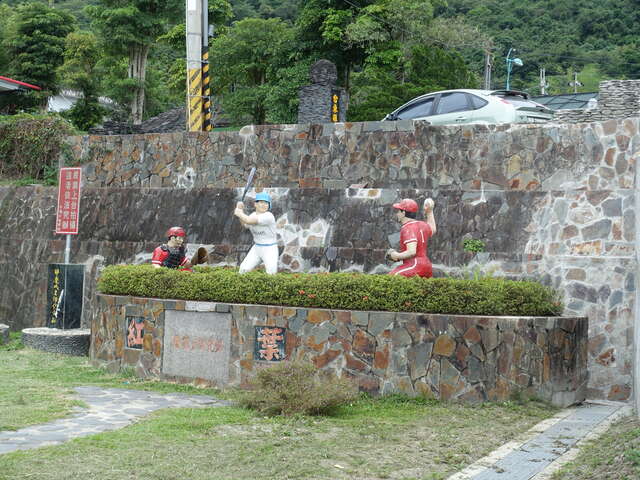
x=473 y=106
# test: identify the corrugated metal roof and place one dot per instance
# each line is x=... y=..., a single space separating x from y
x=567 y=101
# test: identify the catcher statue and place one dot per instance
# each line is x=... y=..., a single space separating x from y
x=414 y=235
x=173 y=253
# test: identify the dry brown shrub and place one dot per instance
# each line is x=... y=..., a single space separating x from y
x=291 y=388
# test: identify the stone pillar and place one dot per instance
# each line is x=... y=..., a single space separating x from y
x=317 y=100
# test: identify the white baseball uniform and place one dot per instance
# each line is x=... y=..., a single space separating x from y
x=265 y=247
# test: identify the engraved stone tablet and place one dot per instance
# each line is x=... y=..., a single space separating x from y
x=196 y=345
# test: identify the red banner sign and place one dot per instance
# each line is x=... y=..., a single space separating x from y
x=67 y=217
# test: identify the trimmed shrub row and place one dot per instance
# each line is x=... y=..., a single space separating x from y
x=343 y=291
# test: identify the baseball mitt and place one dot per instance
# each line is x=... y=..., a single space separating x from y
x=201 y=256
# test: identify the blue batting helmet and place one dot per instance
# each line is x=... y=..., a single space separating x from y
x=264 y=197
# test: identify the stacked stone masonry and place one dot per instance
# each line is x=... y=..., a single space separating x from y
x=464 y=358
x=616 y=99
x=551 y=202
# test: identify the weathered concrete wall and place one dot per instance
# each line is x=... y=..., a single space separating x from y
x=554 y=202
x=450 y=357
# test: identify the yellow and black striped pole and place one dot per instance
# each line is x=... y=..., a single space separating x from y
x=206 y=90
x=196 y=116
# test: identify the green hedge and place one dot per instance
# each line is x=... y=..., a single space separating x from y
x=348 y=291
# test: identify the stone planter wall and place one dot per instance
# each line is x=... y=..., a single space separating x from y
x=556 y=203
x=451 y=357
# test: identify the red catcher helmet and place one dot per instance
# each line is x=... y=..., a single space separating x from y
x=176 y=232
x=407 y=205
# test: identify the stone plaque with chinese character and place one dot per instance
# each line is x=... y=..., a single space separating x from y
x=270 y=343
x=196 y=345
x=64 y=295
x=134 y=332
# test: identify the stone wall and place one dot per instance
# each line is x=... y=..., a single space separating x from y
x=552 y=202
x=617 y=99
x=450 y=357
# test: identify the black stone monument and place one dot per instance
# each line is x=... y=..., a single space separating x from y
x=64 y=296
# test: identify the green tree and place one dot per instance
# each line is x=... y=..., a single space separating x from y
x=78 y=72
x=5 y=14
x=130 y=28
x=283 y=95
x=403 y=60
x=321 y=32
x=246 y=62
x=378 y=90
x=284 y=9
x=560 y=35
x=35 y=46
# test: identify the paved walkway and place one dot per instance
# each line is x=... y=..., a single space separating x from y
x=548 y=445
x=109 y=409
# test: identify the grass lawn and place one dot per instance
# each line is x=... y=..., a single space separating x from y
x=613 y=456
x=394 y=437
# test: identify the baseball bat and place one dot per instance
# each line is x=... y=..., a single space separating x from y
x=249 y=182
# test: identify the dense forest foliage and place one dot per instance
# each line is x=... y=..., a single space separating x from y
x=597 y=39
x=386 y=51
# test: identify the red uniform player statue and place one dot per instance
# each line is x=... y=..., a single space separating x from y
x=414 y=235
x=172 y=254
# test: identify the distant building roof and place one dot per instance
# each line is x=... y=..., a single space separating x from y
x=568 y=101
x=65 y=99
x=9 y=84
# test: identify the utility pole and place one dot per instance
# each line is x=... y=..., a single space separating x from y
x=487 y=69
x=543 y=81
x=206 y=90
x=575 y=82
x=195 y=111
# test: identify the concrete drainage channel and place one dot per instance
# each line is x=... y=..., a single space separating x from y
x=70 y=342
x=541 y=451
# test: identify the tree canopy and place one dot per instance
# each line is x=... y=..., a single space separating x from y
x=561 y=36
x=386 y=51
x=131 y=27
x=34 y=38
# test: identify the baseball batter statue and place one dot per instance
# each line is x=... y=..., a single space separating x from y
x=172 y=254
x=414 y=236
x=262 y=225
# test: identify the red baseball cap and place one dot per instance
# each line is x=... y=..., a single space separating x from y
x=406 y=204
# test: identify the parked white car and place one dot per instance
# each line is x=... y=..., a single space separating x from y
x=473 y=106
